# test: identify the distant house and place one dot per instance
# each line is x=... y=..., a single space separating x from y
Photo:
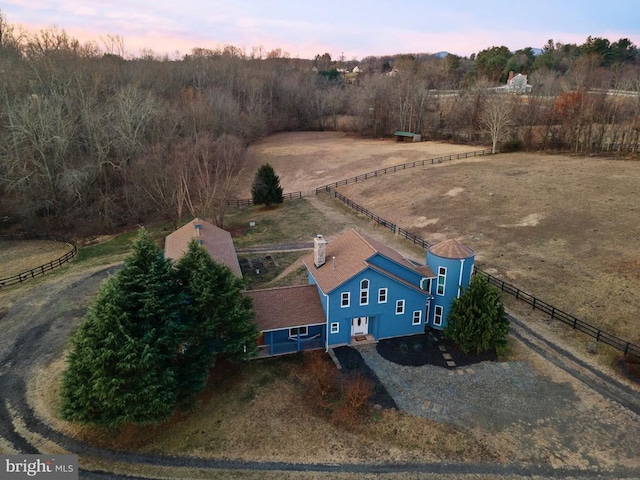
x=515 y=84
x=215 y=240
x=361 y=291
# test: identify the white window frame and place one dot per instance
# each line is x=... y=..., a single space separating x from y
x=425 y=284
x=364 y=292
x=400 y=307
x=383 y=294
x=437 y=315
x=304 y=332
x=345 y=296
x=335 y=327
x=417 y=317
x=442 y=280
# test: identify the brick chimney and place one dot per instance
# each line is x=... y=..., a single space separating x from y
x=511 y=75
x=319 y=251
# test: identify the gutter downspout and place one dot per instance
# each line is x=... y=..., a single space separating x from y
x=460 y=279
x=327 y=330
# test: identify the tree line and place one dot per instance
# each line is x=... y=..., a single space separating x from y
x=92 y=140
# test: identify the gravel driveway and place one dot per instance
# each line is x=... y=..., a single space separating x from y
x=529 y=410
x=491 y=394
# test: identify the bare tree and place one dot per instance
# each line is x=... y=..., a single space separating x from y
x=497 y=117
x=216 y=167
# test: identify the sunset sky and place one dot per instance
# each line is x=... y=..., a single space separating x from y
x=354 y=28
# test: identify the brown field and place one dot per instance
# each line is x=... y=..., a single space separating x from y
x=306 y=160
x=17 y=256
x=563 y=228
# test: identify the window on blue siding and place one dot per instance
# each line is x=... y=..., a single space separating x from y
x=399 y=307
x=417 y=317
x=303 y=331
x=335 y=327
x=382 y=295
x=437 y=315
x=425 y=284
x=364 y=292
x=442 y=276
x=344 y=299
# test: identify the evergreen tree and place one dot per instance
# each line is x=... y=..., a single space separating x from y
x=477 y=320
x=121 y=362
x=218 y=319
x=215 y=297
x=266 y=189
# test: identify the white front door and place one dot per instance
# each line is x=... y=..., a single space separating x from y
x=359 y=326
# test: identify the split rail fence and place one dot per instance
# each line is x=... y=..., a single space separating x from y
x=600 y=336
x=42 y=269
x=247 y=202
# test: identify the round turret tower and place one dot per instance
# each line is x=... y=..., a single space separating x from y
x=452 y=263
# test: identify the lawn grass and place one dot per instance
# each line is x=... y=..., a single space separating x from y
x=114 y=248
x=260 y=411
x=268 y=274
x=18 y=256
x=291 y=222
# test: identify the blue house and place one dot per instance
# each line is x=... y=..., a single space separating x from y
x=361 y=291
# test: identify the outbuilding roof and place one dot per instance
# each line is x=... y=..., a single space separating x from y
x=215 y=240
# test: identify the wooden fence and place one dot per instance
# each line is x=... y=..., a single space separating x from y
x=555 y=313
x=365 y=176
x=42 y=269
x=365 y=212
x=247 y=202
x=398 y=168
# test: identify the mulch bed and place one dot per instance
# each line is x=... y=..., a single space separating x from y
x=418 y=350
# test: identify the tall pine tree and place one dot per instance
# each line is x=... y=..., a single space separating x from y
x=266 y=189
x=121 y=365
x=219 y=317
x=477 y=321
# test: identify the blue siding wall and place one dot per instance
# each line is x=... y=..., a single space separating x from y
x=383 y=321
x=390 y=266
x=280 y=342
x=452 y=284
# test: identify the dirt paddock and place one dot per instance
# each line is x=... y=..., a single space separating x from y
x=563 y=228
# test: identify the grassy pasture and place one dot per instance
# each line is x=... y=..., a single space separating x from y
x=561 y=227
x=17 y=256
